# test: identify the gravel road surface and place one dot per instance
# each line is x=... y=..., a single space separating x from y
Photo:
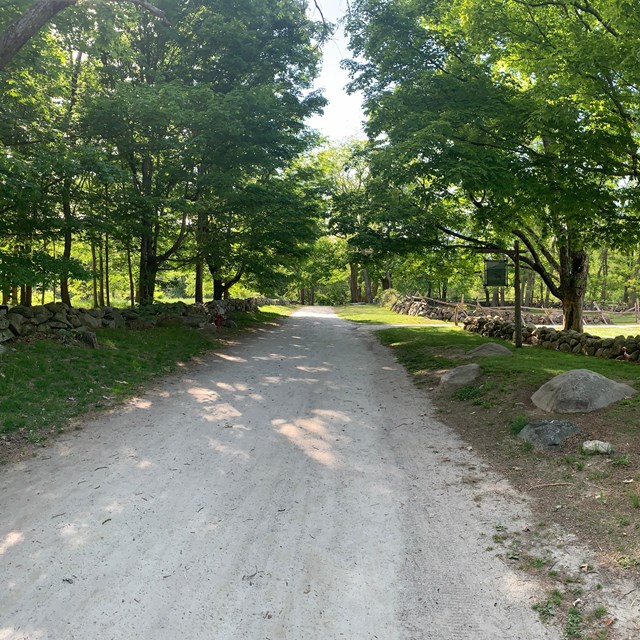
x=295 y=486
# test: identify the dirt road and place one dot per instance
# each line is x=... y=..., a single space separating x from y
x=295 y=486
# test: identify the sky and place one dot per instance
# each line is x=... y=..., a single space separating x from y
x=343 y=115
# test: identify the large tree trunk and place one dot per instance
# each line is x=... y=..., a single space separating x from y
x=199 y=288
x=353 y=282
x=36 y=16
x=65 y=296
x=26 y=295
x=148 y=272
x=368 y=293
x=574 y=275
x=386 y=281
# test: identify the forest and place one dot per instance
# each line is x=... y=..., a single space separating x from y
x=156 y=151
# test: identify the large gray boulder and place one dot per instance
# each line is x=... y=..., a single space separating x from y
x=548 y=433
x=579 y=391
x=489 y=349
x=460 y=377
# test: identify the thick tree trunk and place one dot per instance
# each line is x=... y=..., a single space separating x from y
x=65 y=296
x=6 y=295
x=147 y=283
x=445 y=284
x=353 y=282
x=574 y=276
x=368 y=292
x=26 y=295
x=303 y=296
x=199 y=288
x=386 y=281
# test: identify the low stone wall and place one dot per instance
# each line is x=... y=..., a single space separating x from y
x=412 y=307
x=502 y=325
x=618 y=348
x=20 y=321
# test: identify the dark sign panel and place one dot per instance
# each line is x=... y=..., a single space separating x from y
x=495 y=273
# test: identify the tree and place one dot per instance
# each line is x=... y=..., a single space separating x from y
x=37 y=15
x=506 y=119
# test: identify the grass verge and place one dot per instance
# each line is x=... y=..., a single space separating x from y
x=372 y=314
x=46 y=382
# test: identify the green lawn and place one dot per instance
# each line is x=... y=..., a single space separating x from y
x=373 y=314
x=613 y=330
x=424 y=350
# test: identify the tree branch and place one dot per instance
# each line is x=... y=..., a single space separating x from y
x=39 y=13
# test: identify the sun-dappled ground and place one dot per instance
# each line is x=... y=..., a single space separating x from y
x=44 y=382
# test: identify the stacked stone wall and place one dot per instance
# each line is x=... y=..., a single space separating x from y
x=501 y=325
x=618 y=348
x=54 y=317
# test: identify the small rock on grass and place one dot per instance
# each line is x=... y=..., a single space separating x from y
x=548 y=433
x=460 y=377
x=597 y=446
x=490 y=349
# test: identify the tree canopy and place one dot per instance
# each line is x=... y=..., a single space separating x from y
x=507 y=119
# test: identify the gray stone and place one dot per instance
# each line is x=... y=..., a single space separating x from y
x=27 y=312
x=87 y=320
x=42 y=315
x=194 y=321
x=597 y=446
x=55 y=307
x=579 y=390
x=87 y=337
x=548 y=433
x=6 y=334
x=4 y=323
x=489 y=349
x=15 y=322
x=2 y=349
x=460 y=376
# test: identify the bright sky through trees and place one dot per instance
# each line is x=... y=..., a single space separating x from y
x=343 y=115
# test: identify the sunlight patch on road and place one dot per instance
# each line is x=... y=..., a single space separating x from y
x=225 y=449
x=139 y=403
x=226 y=356
x=9 y=633
x=10 y=540
x=308 y=435
x=202 y=394
x=222 y=411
